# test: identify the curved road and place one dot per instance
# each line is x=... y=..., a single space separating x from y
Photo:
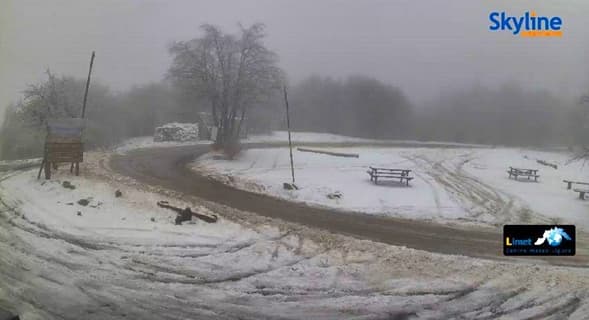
x=167 y=167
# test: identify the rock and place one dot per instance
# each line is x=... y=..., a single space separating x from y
x=118 y=194
x=83 y=202
x=68 y=185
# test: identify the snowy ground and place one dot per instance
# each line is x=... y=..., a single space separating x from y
x=113 y=261
x=19 y=164
x=451 y=184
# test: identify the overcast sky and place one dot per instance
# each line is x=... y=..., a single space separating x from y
x=424 y=47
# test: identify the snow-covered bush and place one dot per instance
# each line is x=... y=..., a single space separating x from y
x=176 y=132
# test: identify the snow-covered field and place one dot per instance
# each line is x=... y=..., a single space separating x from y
x=123 y=258
x=468 y=185
x=112 y=261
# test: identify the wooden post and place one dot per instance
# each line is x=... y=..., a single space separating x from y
x=87 y=85
x=289 y=139
x=47 y=170
x=41 y=168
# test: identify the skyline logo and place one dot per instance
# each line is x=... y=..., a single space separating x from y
x=557 y=240
x=554 y=237
x=530 y=24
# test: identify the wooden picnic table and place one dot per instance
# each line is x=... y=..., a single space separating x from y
x=391 y=173
x=529 y=173
x=582 y=193
x=570 y=183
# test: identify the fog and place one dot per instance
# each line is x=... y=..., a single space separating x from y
x=422 y=47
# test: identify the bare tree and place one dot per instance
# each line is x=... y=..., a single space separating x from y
x=47 y=100
x=232 y=71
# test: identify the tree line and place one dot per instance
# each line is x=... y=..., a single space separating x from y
x=357 y=106
x=235 y=78
x=110 y=117
x=507 y=115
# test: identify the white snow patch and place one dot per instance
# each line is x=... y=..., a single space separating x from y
x=450 y=185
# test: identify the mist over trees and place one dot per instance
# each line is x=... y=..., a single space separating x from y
x=236 y=80
x=23 y=131
x=109 y=117
x=358 y=106
x=508 y=115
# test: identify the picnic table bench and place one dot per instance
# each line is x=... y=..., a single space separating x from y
x=570 y=183
x=389 y=173
x=529 y=173
x=581 y=192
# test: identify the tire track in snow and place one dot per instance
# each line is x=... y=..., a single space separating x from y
x=475 y=197
x=304 y=287
x=119 y=299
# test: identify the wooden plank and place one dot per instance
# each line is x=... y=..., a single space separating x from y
x=65 y=127
x=65 y=159
x=388 y=169
x=63 y=146
x=78 y=151
x=71 y=152
x=337 y=154
x=576 y=182
x=64 y=151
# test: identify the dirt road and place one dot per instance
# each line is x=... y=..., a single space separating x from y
x=167 y=167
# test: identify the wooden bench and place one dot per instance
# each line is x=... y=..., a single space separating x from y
x=570 y=183
x=388 y=173
x=529 y=173
x=581 y=192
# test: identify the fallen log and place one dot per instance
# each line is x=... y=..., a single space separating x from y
x=186 y=214
x=546 y=163
x=336 y=154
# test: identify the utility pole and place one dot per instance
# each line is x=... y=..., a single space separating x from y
x=289 y=139
x=585 y=100
x=87 y=85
